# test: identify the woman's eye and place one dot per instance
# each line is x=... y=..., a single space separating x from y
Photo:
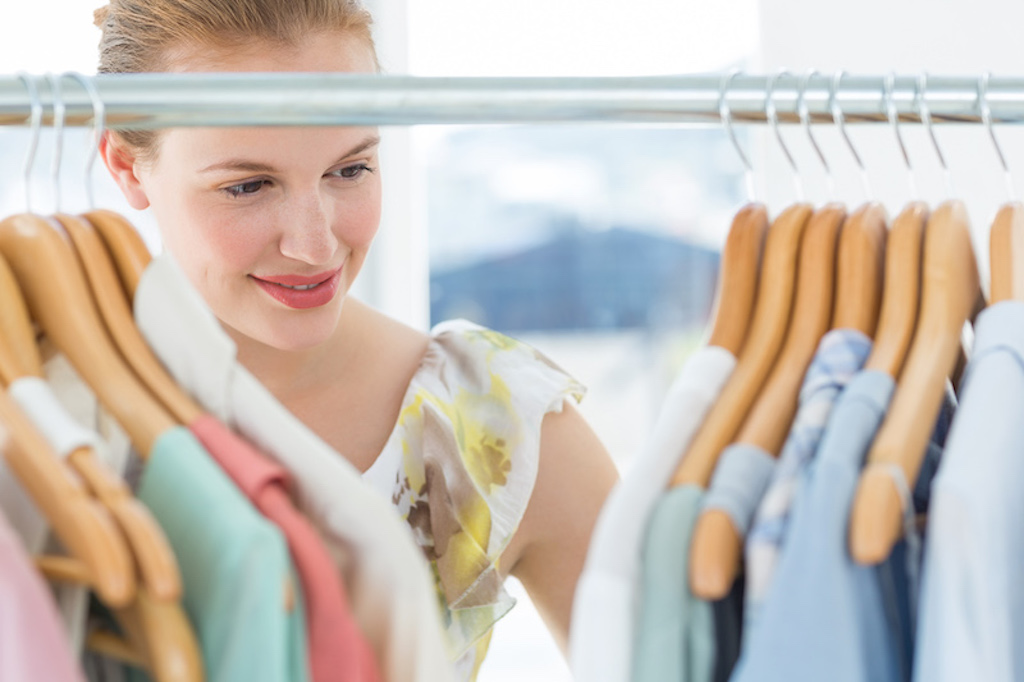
x=352 y=172
x=245 y=188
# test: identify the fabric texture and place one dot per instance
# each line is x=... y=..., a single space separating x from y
x=840 y=355
x=33 y=644
x=826 y=617
x=469 y=435
x=337 y=649
x=739 y=482
x=675 y=635
x=607 y=594
x=240 y=592
x=388 y=580
x=972 y=599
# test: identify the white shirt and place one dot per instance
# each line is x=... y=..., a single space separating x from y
x=389 y=586
x=971 y=614
x=606 y=603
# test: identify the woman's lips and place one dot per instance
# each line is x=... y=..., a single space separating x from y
x=316 y=291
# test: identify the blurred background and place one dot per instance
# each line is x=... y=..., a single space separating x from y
x=598 y=244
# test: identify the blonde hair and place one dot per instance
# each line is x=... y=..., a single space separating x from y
x=142 y=35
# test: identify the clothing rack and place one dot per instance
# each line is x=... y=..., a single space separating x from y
x=279 y=99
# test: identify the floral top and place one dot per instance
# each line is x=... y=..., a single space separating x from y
x=460 y=466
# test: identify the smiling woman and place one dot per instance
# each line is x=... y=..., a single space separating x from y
x=469 y=432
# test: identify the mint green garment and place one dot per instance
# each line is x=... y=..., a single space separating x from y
x=675 y=635
x=234 y=565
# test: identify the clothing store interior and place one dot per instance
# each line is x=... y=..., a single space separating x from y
x=548 y=340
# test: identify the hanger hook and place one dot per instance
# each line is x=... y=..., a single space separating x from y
x=36 y=119
x=772 y=113
x=894 y=121
x=840 y=120
x=59 y=113
x=986 y=117
x=926 y=118
x=803 y=110
x=99 y=125
x=725 y=113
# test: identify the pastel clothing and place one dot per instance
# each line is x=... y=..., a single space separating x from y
x=33 y=644
x=607 y=593
x=675 y=636
x=840 y=355
x=825 y=616
x=461 y=464
x=64 y=434
x=971 y=624
x=388 y=579
x=241 y=594
x=338 y=651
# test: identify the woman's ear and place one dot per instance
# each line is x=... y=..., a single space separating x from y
x=121 y=162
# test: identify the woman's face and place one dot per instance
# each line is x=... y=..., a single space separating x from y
x=270 y=224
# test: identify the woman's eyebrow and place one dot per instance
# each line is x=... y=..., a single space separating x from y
x=257 y=167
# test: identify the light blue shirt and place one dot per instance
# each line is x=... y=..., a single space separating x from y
x=972 y=595
x=840 y=355
x=826 y=617
x=234 y=566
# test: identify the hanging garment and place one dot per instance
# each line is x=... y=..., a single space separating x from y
x=33 y=645
x=972 y=599
x=241 y=593
x=603 y=618
x=675 y=634
x=840 y=355
x=387 y=577
x=469 y=430
x=64 y=435
x=825 y=616
x=337 y=649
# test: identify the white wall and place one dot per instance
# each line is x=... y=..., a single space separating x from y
x=875 y=37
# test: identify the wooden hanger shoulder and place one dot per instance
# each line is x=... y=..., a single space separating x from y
x=1006 y=251
x=777 y=282
x=861 y=269
x=716 y=545
x=737 y=281
x=950 y=289
x=125 y=245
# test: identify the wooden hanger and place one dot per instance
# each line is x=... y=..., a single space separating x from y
x=902 y=294
x=58 y=297
x=950 y=290
x=1006 y=253
x=113 y=305
x=97 y=552
x=737 y=281
x=125 y=246
x=716 y=545
x=768 y=328
x=861 y=270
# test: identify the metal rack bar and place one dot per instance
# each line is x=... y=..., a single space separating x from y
x=287 y=99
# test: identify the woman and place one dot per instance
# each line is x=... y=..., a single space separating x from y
x=468 y=431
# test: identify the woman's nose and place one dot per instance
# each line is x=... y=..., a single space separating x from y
x=307 y=233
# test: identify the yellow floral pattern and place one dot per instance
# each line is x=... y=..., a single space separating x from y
x=469 y=438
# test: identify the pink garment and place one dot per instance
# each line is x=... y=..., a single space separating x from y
x=338 y=651
x=33 y=645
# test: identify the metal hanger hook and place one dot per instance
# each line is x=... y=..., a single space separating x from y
x=986 y=118
x=926 y=118
x=772 y=113
x=803 y=110
x=99 y=126
x=36 y=120
x=59 y=114
x=725 y=113
x=840 y=120
x=894 y=121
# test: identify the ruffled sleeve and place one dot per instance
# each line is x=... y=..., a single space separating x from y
x=468 y=437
